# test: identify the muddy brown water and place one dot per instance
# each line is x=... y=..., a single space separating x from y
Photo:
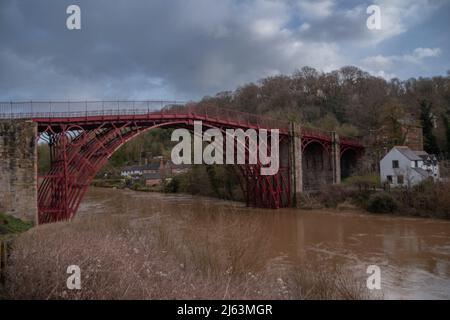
x=412 y=253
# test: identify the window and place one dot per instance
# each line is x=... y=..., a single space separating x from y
x=394 y=164
x=400 y=179
x=389 y=178
x=416 y=163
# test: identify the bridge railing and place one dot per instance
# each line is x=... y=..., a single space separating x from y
x=317 y=133
x=69 y=109
x=327 y=136
x=350 y=141
x=53 y=109
x=243 y=119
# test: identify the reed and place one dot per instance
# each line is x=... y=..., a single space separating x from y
x=155 y=258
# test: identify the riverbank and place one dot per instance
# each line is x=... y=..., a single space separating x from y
x=9 y=228
x=141 y=258
x=426 y=200
x=150 y=245
x=126 y=184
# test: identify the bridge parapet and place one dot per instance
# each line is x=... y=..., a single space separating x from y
x=349 y=141
x=316 y=133
x=50 y=111
x=56 y=109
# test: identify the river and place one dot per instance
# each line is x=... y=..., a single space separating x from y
x=412 y=253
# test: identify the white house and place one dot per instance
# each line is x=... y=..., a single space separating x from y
x=136 y=171
x=404 y=167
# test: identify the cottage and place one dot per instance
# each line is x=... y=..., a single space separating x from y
x=137 y=171
x=154 y=173
x=402 y=166
x=152 y=179
x=178 y=168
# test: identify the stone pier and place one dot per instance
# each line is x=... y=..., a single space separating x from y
x=296 y=163
x=18 y=169
x=336 y=157
x=314 y=167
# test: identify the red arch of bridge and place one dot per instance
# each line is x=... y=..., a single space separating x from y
x=80 y=146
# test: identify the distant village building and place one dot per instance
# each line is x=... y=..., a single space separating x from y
x=178 y=168
x=152 y=179
x=137 y=171
x=402 y=166
x=153 y=173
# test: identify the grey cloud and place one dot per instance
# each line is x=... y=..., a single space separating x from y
x=193 y=47
x=182 y=49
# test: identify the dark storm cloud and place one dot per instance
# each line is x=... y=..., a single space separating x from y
x=169 y=49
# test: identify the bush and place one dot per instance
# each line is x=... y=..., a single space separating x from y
x=382 y=202
x=364 y=182
x=173 y=185
x=426 y=199
x=331 y=195
x=10 y=225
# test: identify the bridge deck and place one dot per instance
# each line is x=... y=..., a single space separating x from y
x=91 y=113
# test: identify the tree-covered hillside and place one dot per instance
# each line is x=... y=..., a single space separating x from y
x=349 y=101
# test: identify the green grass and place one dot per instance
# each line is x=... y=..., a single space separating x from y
x=11 y=225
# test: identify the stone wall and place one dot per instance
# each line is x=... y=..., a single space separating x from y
x=18 y=169
x=413 y=137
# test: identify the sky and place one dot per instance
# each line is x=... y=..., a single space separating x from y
x=187 y=49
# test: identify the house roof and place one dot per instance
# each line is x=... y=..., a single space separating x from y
x=153 y=175
x=422 y=172
x=428 y=159
x=408 y=153
x=179 y=166
x=421 y=153
x=150 y=166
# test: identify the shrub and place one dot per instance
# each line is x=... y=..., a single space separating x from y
x=135 y=185
x=426 y=199
x=382 y=202
x=331 y=195
x=10 y=224
x=172 y=185
x=364 y=182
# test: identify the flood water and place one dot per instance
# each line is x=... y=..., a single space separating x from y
x=413 y=253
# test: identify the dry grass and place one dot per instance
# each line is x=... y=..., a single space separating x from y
x=337 y=283
x=158 y=258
